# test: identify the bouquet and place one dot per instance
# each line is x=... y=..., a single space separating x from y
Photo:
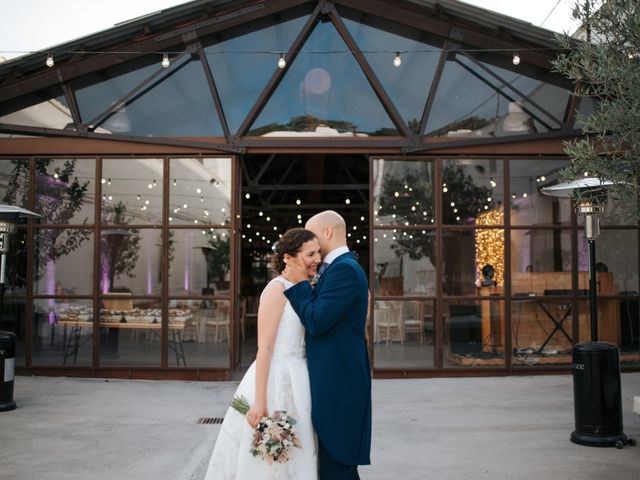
x=274 y=437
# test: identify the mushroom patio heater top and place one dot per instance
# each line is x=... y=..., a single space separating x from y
x=597 y=392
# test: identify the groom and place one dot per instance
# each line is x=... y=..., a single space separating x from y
x=334 y=315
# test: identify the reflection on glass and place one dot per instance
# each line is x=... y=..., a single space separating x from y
x=474 y=334
x=586 y=107
x=241 y=77
x=324 y=94
x=404 y=262
x=472 y=192
x=403 y=192
x=130 y=331
x=541 y=330
x=15 y=281
x=177 y=102
x=472 y=259
x=408 y=84
x=47 y=108
x=403 y=334
x=65 y=191
x=96 y=92
x=617 y=261
x=629 y=340
x=472 y=102
x=199 y=262
x=62 y=332
x=63 y=262
x=130 y=261
x=204 y=186
x=14 y=182
x=132 y=191
x=541 y=262
x=14 y=319
x=529 y=206
x=202 y=328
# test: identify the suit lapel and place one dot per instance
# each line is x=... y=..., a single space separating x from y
x=341 y=258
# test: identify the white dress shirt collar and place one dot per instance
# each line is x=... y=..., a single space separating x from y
x=333 y=254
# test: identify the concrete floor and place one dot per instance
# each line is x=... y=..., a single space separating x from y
x=503 y=428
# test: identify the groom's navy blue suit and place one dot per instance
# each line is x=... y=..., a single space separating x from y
x=334 y=315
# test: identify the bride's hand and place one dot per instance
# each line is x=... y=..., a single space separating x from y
x=255 y=413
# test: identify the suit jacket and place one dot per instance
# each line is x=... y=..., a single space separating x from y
x=334 y=315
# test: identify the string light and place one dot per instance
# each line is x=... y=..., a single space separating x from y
x=247 y=196
x=347 y=201
x=397 y=61
x=516 y=59
x=174 y=182
x=165 y=61
x=282 y=62
x=493 y=183
x=49 y=61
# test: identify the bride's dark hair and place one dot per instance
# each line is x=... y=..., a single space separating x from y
x=290 y=243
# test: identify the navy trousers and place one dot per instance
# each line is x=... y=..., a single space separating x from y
x=330 y=469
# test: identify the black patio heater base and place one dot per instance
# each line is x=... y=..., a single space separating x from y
x=595 y=440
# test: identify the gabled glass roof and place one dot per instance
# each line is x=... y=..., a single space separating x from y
x=335 y=83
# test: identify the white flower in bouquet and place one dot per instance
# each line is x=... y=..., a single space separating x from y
x=273 y=437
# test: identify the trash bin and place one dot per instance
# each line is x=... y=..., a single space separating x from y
x=597 y=396
x=7 y=370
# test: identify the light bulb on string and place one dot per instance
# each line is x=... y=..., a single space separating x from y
x=281 y=61
x=397 y=61
x=516 y=58
x=174 y=182
x=49 y=61
x=165 y=61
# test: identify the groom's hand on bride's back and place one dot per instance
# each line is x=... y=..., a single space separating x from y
x=295 y=271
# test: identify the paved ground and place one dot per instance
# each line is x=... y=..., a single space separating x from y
x=469 y=428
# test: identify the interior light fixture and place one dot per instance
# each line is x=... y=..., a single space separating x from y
x=282 y=62
x=516 y=58
x=165 y=61
x=397 y=61
x=49 y=61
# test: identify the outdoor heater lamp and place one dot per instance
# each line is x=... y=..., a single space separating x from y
x=597 y=391
x=9 y=216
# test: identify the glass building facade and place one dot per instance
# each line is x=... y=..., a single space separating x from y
x=162 y=189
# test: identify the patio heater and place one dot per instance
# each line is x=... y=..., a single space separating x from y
x=597 y=396
x=9 y=215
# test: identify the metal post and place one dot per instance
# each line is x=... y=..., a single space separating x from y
x=593 y=293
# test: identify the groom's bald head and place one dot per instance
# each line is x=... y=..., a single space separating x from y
x=330 y=228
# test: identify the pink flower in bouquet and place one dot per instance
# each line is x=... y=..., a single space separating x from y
x=274 y=438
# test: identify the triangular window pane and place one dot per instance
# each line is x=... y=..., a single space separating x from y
x=242 y=63
x=471 y=102
x=324 y=93
x=178 y=102
x=47 y=108
x=407 y=84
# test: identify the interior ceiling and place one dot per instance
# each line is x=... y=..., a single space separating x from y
x=275 y=184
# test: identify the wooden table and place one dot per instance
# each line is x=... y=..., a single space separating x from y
x=76 y=326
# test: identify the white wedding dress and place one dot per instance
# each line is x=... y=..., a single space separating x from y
x=287 y=389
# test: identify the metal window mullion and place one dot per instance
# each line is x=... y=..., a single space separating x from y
x=279 y=74
x=438 y=325
x=379 y=90
x=213 y=89
x=73 y=104
x=435 y=82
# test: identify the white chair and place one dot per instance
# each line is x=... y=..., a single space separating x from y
x=413 y=319
x=218 y=322
x=388 y=322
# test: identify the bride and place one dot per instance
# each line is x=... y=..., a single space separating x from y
x=277 y=380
